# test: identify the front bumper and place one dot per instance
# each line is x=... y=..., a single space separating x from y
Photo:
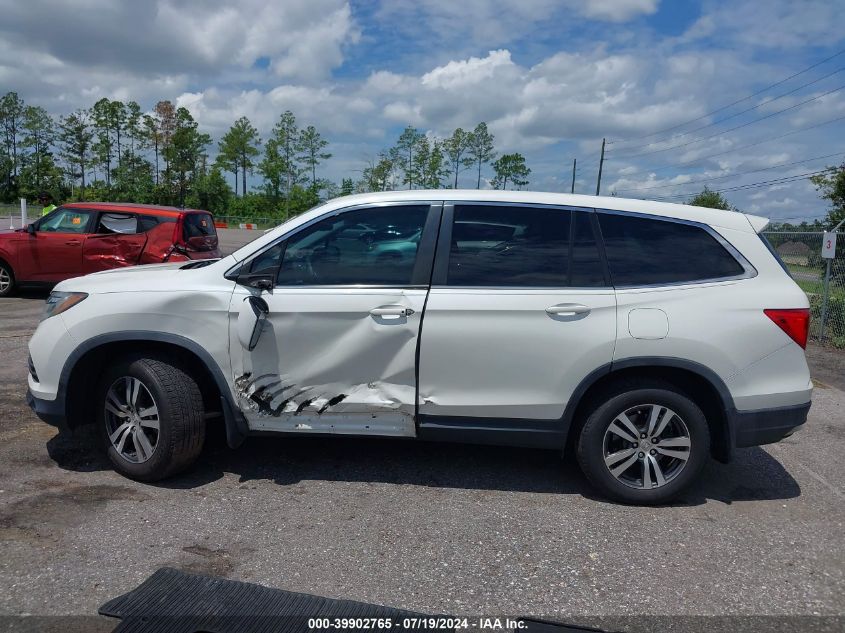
x=765 y=426
x=50 y=411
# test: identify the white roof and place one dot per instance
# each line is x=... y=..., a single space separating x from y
x=713 y=217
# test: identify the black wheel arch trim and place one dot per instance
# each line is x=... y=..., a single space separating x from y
x=236 y=425
x=723 y=453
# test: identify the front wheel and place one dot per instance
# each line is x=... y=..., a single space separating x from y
x=644 y=446
x=151 y=416
x=7 y=279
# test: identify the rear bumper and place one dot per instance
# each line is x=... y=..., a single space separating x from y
x=50 y=411
x=765 y=426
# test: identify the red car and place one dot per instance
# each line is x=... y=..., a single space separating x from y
x=84 y=237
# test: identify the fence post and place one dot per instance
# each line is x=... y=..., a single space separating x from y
x=23 y=213
x=824 y=302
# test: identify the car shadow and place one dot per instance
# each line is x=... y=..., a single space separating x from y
x=36 y=293
x=753 y=475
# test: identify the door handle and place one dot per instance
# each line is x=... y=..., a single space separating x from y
x=567 y=309
x=397 y=311
x=73 y=242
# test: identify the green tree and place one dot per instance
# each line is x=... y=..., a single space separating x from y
x=299 y=199
x=47 y=177
x=38 y=136
x=211 y=192
x=101 y=118
x=165 y=115
x=711 y=199
x=831 y=187
x=407 y=146
x=481 y=149
x=510 y=167
x=280 y=166
x=185 y=152
x=311 y=145
x=75 y=139
x=238 y=148
x=151 y=139
x=133 y=126
x=376 y=176
x=117 y=121
x=132 y=180
x=347 y=187
x=11 y=117
x=430 y=168
x=457 y=148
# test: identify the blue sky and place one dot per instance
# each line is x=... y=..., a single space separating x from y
x=550 y=77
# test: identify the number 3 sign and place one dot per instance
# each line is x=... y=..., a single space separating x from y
x=829 y=245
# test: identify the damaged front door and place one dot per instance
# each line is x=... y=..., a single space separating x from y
x=337 y=350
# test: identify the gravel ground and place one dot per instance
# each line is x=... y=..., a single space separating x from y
x=428 y=527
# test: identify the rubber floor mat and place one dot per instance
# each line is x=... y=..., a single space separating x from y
x=173 y=601
x=177 y=602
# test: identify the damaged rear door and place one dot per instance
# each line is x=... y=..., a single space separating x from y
x=117 y=241
x=336 y=347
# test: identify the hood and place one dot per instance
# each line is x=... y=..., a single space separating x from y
x=171 y=277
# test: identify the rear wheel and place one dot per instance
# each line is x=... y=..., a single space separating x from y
x=644 y=445
x=7 y=279
x=151 y=416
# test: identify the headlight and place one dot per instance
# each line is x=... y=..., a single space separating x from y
x=58 y=302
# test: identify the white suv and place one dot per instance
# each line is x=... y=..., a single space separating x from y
x=642 y=337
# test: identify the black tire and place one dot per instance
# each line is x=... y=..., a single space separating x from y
x=181 y=420
x=591 y=443
x=6 y=271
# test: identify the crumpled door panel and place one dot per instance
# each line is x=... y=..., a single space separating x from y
x=102 y=252
x=325 y=363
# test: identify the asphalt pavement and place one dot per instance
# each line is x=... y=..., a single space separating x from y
x=452 y=529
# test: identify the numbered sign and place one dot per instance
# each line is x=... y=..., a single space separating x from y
x=829 y=245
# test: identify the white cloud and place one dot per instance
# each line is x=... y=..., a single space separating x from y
x=618 y=10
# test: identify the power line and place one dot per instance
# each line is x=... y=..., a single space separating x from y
x=752 y=185
x=749 y=145
x=707 y=138
x=728 y=176
x=741 y=112
x=725 y=107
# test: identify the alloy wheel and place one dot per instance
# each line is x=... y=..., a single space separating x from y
x=646 y=446
x=132 y=420
x=5 y=280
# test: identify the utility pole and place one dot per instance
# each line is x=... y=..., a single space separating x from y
x=601 y=164
x=574 y=162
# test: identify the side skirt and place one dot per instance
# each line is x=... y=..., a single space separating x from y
x=549 y=434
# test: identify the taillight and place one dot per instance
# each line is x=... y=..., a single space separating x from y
x=794 y=321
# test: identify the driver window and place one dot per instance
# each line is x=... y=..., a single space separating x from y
x=121 y=223
x=376 y=246
x=66 y=221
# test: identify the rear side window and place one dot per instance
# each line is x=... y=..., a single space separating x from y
x=198 y=225
x=522 y=246
x=122 y=223
x=642 y=251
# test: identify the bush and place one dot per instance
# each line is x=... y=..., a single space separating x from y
x=835 y=321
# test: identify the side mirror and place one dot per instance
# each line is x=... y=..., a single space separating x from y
x=251 y=319
x=30 y=228
x=259 y=281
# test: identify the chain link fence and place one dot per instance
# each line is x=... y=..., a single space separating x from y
x=822 y=279
x=10 y=215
